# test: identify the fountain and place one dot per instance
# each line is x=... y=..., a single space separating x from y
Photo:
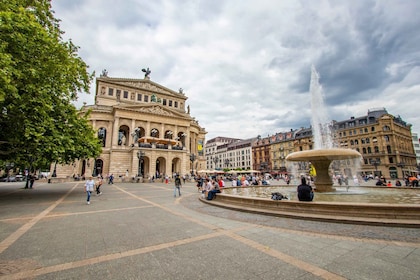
x=324 y=151
x=403 y=210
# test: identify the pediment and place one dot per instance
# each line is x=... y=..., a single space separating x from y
x=142 y=84
x=154 y=109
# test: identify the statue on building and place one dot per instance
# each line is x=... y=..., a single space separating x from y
x=121 y=138
x=104 y=73
x=153 y=98
x=136 y=135
x=181 y=90
x=188 y=109
x=147 y=73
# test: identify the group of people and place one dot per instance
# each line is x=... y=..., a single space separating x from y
x=91 y=184
x=209 y=186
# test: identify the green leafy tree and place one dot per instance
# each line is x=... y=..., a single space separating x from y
x=40 y=75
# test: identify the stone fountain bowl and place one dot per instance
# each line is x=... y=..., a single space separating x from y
x=321 y=160
x=324 y=155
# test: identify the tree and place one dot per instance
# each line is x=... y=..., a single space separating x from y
x=40 y=75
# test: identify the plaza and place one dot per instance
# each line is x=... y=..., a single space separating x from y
x=140 y=231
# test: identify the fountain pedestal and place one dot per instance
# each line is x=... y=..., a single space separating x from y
x=321 y=160
x=323 y=180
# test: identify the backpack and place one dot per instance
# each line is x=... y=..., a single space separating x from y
x=278 y=196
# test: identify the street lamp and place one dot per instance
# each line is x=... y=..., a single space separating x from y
x=55 y=170
x=227 y=161
x=192 y=159
x=375 y=162
x=215 y=159
x=140 y=155
x=401 y=164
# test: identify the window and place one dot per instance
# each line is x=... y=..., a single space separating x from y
x=170 y=103
x=386 y=138
x=388 y=148
x=139 y=97
x=376 y=149
x=125 y=94
x=146 y=98
x=164 y=102
x=176 y=104
x=110 y=91
x=118 y=93
x=364 y=150
x=367 y=140
x=369 y=150
x=372 y=129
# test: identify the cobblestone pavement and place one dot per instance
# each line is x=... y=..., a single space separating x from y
x=141 y=231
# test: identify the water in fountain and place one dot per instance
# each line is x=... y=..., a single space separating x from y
x=321 y=129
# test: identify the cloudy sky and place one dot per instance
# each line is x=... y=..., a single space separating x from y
x=245 y=65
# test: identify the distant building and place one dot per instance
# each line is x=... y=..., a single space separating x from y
x=384 y=140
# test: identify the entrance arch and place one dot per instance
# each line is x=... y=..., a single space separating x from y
x=160 y=165
x=98 y=167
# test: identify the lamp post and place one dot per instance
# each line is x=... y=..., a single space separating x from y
x=215 y=160
x=140 y=155
x=375 y=162
x=55 y=170
x=401 y=165
x=192 y=159
x=227 y=161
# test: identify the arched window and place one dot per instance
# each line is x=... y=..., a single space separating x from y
x=369 y=150
x=376 y=149
x=356 y=142
x=168 y=134
x=388 y=148
x=386 y=128
x=102 y=135
x=154 y=133
x=364 y=150
x=122 y=135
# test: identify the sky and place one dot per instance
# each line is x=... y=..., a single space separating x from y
x=245 y=66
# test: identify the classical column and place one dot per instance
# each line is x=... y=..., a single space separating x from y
x=115 y=131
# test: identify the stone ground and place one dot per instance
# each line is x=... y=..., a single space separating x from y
x=140 y=231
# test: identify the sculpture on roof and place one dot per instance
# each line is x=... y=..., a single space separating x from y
x=104 y=73
x=146 y=73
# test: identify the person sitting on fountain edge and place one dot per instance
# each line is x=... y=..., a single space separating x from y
x=304 y=191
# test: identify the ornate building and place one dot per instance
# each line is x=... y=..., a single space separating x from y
x=145 y=131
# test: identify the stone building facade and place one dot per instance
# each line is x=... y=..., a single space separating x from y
x=146 y=130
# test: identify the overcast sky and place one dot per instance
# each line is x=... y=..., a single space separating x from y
x=245 y=65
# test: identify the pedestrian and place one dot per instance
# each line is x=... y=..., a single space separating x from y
x=304 y=191
x=98 y=185
x=177 y=185
x=111 y=179
x=31 y=180
x=89 y=188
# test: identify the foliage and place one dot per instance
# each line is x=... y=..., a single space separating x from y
x=40 y=76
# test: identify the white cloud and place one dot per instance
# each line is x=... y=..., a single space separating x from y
x=245 y=65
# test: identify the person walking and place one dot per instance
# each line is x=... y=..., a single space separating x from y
x=98 y=185
x=177 y=185
x=111 y=179
x=89 y=188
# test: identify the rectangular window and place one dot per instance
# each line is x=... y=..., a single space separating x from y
x=170 y=103
x=118 y=93
x=176 y=104
x=164 y=102
x=139 y=97
x=110 y=91
x=125 y=94
x=146 y=98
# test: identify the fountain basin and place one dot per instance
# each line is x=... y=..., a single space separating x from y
x=383 y=214
x=321 y=160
